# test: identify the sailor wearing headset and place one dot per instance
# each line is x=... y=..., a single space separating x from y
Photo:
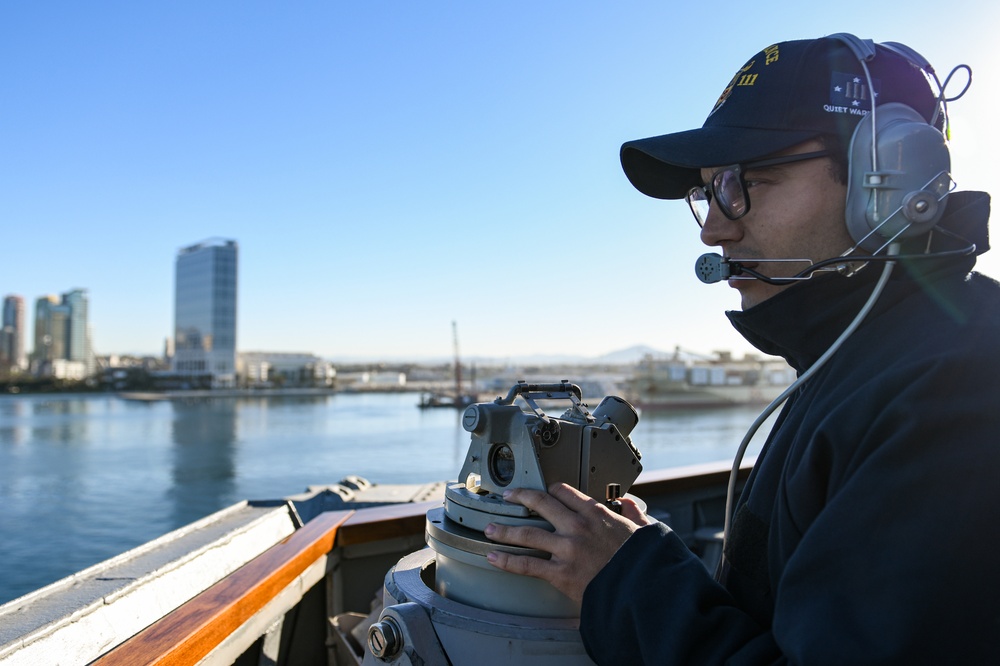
x=865 y=532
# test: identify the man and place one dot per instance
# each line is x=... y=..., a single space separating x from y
x=864 y=533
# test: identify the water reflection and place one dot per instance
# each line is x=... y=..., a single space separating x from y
x=62 y=419
x=61 y=405
x=11 y=407
x=203 y=457
x=13 y=426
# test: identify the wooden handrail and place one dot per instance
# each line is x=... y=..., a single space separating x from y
x=192 y=631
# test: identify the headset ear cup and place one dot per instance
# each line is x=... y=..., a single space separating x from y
x=904 y=195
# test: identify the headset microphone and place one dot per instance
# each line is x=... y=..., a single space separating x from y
x=711 y=268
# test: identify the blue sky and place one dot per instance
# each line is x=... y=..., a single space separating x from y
x=389 y=167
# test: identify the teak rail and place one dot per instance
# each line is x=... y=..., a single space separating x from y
x=192 y=631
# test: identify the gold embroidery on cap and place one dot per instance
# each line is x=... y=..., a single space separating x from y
x=736 y=81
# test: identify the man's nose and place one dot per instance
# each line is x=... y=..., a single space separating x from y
x=719 y=229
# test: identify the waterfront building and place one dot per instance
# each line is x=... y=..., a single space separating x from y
x=76 y=325
x=50 y=334
x=205 y=291
x=285 y=369
x=12 y=332
x=373 y=380
x=62 y=336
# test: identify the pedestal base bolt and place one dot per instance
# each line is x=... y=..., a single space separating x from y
x=385 y=639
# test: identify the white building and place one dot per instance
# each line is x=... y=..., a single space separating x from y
x=285 y=369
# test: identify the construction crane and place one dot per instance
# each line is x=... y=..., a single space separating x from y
x=458 y=362
x=443 y=399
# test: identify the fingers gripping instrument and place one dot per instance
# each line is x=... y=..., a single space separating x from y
x=447 y=604
x=516 y=444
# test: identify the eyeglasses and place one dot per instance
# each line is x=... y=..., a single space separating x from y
x=729 y=188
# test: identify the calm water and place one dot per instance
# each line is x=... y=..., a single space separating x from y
x=85 y=478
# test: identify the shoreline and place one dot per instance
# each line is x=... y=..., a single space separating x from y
x=156 y=396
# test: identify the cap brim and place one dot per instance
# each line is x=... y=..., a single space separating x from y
x=668 y=166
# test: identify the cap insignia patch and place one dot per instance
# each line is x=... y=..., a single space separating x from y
x=849 y=93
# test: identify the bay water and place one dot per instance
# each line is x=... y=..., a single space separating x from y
x=86 y=477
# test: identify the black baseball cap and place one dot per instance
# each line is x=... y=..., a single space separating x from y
x=788 y=93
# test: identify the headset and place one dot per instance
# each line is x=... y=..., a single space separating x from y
x=899 y=176
x=903 y=192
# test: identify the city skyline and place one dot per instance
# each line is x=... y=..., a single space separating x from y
x=389 y=170
x=27 y=329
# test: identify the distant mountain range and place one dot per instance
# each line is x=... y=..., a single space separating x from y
x=620 y=357
x=629 y=355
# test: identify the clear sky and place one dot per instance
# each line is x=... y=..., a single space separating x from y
x=389 y=167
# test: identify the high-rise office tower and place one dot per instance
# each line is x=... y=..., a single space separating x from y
x=50 y=332
x=205 y=312
x=77 y=348
x=62 y=339
x=12 y=333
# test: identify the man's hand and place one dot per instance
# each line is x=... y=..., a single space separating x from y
x=587 y=535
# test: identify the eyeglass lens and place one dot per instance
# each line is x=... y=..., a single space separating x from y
x=699 y=202
x=727 y=189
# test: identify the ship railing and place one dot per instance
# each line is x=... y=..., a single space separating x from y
x=261 y=606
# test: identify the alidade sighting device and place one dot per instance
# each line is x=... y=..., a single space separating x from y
x=446 y=604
